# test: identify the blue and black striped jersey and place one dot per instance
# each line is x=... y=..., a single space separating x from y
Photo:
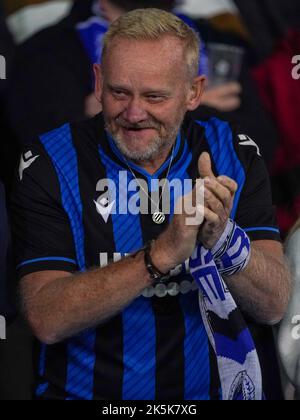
x=157 y=347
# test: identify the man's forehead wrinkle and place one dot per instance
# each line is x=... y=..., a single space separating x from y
x=143 y=89
x=166 y=51
x=144 y=65
x=147 y=83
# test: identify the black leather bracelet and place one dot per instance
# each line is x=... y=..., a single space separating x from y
x=156 y=275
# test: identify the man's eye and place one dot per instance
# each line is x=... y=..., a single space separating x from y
x=155 y=98
x=119 y=94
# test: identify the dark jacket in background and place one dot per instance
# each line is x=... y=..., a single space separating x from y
x=15 y=351
x=6 y=308
x=50 y=79
x=268 y=21
x=8 y=143
x=6 y=44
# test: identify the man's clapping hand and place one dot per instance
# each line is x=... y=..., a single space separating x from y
x=180 y=239
x=218 y=198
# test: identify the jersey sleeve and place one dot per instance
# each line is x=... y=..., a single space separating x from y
x=255 y=212
x=42 y=235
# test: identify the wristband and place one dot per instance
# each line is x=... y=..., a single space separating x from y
x=233 y=250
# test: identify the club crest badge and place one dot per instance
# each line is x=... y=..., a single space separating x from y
x=242 y=388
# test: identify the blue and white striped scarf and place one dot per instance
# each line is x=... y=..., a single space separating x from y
x=238 y=362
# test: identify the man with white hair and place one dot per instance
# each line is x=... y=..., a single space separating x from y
x=133 y=329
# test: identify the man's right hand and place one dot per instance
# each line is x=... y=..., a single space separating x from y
x=178 y=242
x=211 y=202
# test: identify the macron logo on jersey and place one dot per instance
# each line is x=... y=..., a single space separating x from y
x=26 y=162
x=103 y=208
x=247 y=141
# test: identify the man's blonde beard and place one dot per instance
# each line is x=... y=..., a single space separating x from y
x=157 y=146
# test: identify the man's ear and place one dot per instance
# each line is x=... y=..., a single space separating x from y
x=98 y=81
x=195 y=93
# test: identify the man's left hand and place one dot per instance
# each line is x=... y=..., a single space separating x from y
x=218 y=202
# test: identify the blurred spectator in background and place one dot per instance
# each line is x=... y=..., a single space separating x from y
x=272 y=29
x=267 y=21
x=15 y=357
x=6 y=308
x=6 y=51
x=289 y=335
x=221 y=14
x=53 y=74
x=26 y=17
x=6 y=43
x=9 y=151
x=274 y=26
x=50 y=79
x=251 y=19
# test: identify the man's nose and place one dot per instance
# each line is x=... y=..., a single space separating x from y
x=135 y=112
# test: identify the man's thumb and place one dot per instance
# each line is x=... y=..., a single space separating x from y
x=204 y=166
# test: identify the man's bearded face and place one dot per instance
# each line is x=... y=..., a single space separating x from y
x=144 y=95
